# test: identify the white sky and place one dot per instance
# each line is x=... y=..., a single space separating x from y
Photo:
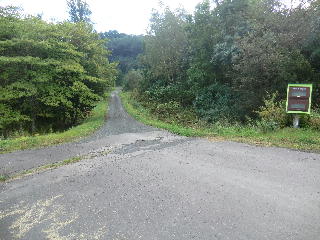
x=127 y=16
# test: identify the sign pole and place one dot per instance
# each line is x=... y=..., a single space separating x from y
x=296 y=120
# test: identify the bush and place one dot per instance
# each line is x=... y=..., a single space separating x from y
x=267 y=125
x=315 y=58
x=51 y=75
x=314 y=120
x=273 y=114
x=132 y=80
x=215 y=103
x=165 y=93
x=172 y=112
x=165 y=110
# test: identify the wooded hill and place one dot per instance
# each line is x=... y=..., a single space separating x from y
x=125 y=50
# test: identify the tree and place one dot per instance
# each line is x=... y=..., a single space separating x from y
x=79 y=11
x=202 y=37
x=166 y=45
x=222 y=60
x=166 y=57
x=132 y=80
x=51 y=75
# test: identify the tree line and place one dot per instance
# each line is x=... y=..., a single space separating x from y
x=225 y=59
x=125 y=50
x=51 y=74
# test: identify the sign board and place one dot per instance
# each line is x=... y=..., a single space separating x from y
x=299 y=98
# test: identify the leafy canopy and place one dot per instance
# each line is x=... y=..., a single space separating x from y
x=51 y=75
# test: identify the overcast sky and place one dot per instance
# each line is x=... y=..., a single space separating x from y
x=127 y=16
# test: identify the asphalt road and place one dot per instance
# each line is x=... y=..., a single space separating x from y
x=138 y=182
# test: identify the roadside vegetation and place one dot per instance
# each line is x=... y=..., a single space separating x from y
x=93 y=122
x=221 y=71
x=53 y=77
x=224 y=71
x=302 y=139
x=41 y=169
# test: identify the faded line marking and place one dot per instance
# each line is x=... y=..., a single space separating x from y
x=52 y=216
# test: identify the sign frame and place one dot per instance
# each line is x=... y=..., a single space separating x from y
x=310 y=97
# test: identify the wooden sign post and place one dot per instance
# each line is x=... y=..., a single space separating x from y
x=298 y=101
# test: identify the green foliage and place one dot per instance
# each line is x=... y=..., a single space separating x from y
x=303 y=139
x=164 y=94
x=265 y=67
x=215 y=103
x=125 y=50
x=172 y=111
x=273 y=116
x=222 y=60
x=273 y=113
x=314 y=120
x=315 y=58
x=165 y=110
x=267 y=125
x=52 y=75
x=165 y=52
x=132 y=80
x=144 y=115
x=94 y=121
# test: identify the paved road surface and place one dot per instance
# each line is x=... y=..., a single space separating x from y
x=138 y=182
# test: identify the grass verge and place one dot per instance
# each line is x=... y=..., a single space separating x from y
x=90 y=125
x=102 y=152
x=300 y=139
x=41 y=169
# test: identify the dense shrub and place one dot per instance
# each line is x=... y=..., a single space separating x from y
x=51 y=75
x=315 y=58
x=166 y=110
x=132 y=80
x=314 y=120
x=222 y=59
x=273 y=113
x=215 y=103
